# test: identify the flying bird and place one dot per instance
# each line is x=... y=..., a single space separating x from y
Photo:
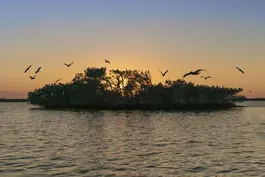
x=206 y=77
x=32 y=77
x=250 y=91
x=240 y=70
x=68 y=65
x=57 y=80
x=27 y=68
x=107 y=61
x=197 y=72
x=38 y=70
x=163 y=74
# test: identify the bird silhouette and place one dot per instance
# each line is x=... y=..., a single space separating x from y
x=163 y=74
x=198 y=71
x=68 y=65
x=107 y=61
x=27 y=68
x=206 y=77
x=240 y=70
x=38 y=70
x=32 y=77
x=57 y=80
x=250 y=91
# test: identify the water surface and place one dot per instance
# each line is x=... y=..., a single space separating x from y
x=37 y=142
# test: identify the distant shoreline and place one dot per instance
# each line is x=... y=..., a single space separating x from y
x=254 y=99
x=13 y=100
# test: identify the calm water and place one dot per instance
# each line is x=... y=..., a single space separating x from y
x=35 y=142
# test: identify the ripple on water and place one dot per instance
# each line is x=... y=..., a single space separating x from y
x=38 y=142
x=196 y=169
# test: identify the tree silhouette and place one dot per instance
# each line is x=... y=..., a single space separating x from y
x=95 y=88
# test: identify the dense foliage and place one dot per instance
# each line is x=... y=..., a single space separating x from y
x=95 y=87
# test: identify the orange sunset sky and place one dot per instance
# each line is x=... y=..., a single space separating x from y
x=179 y=35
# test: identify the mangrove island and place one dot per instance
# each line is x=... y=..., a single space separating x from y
x=131 y=89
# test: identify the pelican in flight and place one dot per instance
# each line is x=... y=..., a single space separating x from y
x=68 y=65
x=27 y=68
x=32 y=77
x=197 y=72
x=107 y=61
x=163 y=74
x=57 y=80
x=206 y=77
x=240 y=70
x=38 y=70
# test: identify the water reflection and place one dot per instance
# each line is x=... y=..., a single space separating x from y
x=131 y=143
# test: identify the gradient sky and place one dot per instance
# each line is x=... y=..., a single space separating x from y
x=179 y=35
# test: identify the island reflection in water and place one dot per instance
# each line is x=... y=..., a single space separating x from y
x=37 y=142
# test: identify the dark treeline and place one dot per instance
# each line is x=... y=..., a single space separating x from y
x=13 y=100
x=130 y=89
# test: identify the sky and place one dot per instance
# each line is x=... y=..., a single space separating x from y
x=178 y=35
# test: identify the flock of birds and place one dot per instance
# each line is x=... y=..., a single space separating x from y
x=196 y=72
x=38 y=70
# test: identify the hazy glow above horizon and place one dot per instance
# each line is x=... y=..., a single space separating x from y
x=181 y=36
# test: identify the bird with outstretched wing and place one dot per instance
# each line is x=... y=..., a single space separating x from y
x=163 y=73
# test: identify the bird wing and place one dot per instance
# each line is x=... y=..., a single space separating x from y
x=196 y=72
x=240 y=69
x=199 y=70
x=160 y=71
x=37 y=71
x=185 y=75
x=27 y=68
x=165 y=72
x=65 y=64
x=71 y=63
